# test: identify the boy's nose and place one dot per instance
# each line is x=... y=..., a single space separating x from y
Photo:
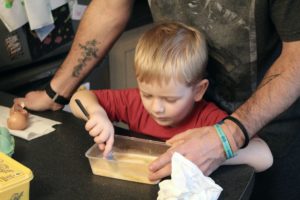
x=157 y=106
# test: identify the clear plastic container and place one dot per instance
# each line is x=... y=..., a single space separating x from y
x=14 y=179
x=129 y=161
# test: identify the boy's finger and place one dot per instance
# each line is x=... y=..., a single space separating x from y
x=108 y=146
x=101 y=146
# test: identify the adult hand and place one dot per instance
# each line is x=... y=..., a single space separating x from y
x=202 y=146
x=38 y=101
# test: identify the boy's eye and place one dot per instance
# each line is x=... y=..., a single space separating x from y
x=147 y=96
x=171 y=100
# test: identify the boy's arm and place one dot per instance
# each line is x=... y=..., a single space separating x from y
x=101 y=25
x=98 y=124
x=89 y=102
x=257 y=155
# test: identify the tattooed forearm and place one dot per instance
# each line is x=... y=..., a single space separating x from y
x=256 y=101
x=89 y=51
x=267 y=80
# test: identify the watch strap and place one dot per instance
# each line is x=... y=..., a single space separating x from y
x=55 y=96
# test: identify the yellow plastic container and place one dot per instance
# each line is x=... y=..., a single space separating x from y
x=14 y=179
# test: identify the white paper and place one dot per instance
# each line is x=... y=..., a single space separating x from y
x=38 y=126
x=57 y=3
x=77 y=11
x=13 y=17
x=39 y=13
x=43 y=32
x=187 y=182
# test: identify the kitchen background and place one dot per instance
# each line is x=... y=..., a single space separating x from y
x=27 y=63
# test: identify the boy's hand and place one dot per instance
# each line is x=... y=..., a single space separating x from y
x=101 y=128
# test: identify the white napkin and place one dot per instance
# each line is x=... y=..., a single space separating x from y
x=38 y=126
x=187 y=182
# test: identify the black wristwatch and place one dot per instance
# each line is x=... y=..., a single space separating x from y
x=55 y=96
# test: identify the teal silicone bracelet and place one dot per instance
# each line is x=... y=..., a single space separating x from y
x=226 y=145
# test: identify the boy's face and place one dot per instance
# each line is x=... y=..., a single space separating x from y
x=168 y=104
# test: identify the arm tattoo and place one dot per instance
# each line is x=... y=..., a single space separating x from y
x=247 y=109
x=268 y=80
x=89 y=51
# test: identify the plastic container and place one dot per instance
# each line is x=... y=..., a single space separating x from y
x=7 y=142
x=14 y=179
x=130 y=159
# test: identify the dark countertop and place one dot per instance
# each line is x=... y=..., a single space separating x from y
x=61 y=170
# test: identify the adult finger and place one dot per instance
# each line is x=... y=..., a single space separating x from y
x=161 y=161
x=178 y=138
x=20 y=101
x=161 y=173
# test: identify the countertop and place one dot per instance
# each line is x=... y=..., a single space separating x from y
x=61 y=170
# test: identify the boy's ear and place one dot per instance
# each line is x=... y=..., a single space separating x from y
x=200 y=89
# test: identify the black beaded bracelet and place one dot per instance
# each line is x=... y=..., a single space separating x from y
x=242 y=127
x=55 y=96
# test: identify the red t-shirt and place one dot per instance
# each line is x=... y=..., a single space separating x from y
x=125 y=105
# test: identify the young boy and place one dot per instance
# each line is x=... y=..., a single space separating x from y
x=170 y=61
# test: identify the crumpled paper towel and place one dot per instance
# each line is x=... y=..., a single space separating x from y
x=187 y=182
x=38 y=126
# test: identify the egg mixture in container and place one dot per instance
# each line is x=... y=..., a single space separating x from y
x=129 y=161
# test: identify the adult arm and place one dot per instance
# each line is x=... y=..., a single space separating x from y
x=277 y=91
x=279 y=88
x=99 y=28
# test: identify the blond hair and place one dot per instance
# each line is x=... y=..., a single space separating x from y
x=171 y=51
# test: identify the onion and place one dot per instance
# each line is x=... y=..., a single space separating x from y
x=18 y=119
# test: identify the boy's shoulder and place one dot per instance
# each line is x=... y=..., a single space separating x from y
x=209 y=113
x=209 y=107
